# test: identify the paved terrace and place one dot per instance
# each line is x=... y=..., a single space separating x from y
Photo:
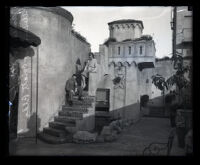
x=131 y=142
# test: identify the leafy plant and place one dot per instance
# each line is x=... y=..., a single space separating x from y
x=177 y=79
x=159 y=82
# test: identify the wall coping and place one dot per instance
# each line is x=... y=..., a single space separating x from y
x=56 y=10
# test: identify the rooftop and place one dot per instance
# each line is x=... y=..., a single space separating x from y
x=126 y=21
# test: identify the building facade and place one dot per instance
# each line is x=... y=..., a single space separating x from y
x=182 y=25
x=126 y=64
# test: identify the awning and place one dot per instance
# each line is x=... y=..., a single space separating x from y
x=144 y=65
x=22 y=37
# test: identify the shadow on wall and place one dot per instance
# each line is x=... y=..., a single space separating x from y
x=131 y=111
x=31 y=126
x=21 y=53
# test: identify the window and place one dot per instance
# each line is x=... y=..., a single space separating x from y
x=118 y=50
x=129 y=50
x=140 y=49
x=189 y=8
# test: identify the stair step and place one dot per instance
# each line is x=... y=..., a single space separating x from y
x=65 y=114
x=68 y=108
x=77 y=102
x=63 y=119
x=87 y=98
x=153 y=112
x=157 y=113
x=71 y=118
x=59 y=125
x=55 y=140
x=54 y=132
x=71 y=113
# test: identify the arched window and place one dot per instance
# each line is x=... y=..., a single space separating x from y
x=129 y=50
x=119 y=50
x=140 y=50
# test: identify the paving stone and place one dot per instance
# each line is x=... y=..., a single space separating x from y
x=84 y=137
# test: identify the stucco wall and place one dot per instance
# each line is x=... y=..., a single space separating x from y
x=57 y=54
x=165 y=69
x=148 y=50
x=145 y=82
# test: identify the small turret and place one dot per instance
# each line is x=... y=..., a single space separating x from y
x=125 y=29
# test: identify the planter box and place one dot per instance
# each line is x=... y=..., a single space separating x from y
x=187 y=113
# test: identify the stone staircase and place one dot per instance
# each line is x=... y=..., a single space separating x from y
x=69 y=118
x=156 y=111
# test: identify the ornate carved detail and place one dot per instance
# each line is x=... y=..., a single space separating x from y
x=117 y=26
x=124 y=63
x=119 y=79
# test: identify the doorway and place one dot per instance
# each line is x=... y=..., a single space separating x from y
x=102 y=115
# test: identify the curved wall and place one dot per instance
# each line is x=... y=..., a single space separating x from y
x=57 y=53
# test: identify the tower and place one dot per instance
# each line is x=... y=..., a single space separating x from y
x=125 y=29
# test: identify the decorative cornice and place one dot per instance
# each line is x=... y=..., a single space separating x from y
x=125 y=21
x=122 y=63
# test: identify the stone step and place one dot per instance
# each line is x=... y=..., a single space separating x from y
x=71 y=113
x=55 y=140
x=81 y=109
x=78 y=102
x=87 y=98
x=85 y=93
x=157 y=112
x=60 y=125
x=71 y=118
x=63 y=119
x=55 y=132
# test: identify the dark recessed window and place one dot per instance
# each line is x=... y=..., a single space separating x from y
x=189 y=8
x=140 y=49
x=118 y=50
x=129 y=50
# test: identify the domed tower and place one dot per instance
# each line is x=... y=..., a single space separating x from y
x=125 y=29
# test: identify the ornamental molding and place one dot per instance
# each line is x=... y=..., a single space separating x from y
x=122 y=63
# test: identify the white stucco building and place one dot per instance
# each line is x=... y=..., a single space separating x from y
x=126 y=64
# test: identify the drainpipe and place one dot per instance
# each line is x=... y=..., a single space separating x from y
x=31 y=82
x=174 y=31
x=174 y=35
x=124 y=92
x=36 y=131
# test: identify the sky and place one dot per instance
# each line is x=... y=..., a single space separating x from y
x=92 y=23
